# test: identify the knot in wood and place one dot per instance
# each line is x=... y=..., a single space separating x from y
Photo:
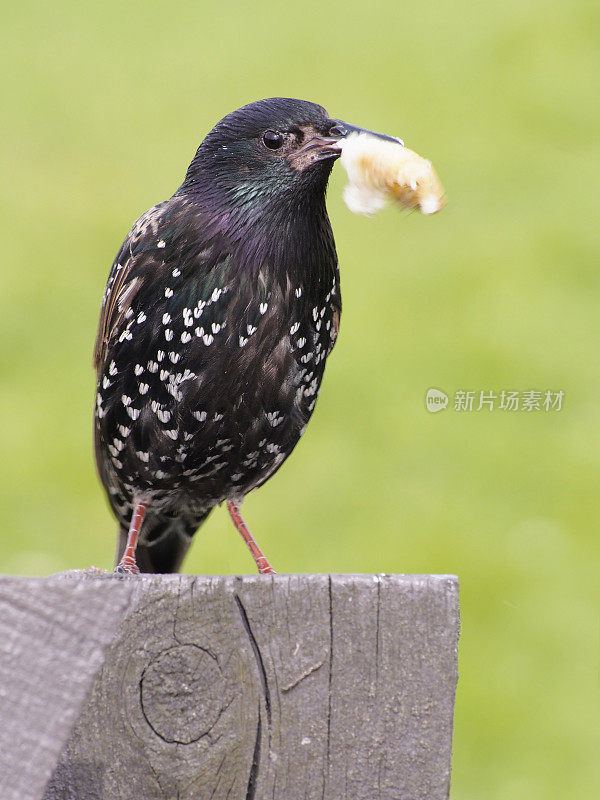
x=181 y=693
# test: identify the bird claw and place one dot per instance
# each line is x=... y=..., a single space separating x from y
x=127 y=569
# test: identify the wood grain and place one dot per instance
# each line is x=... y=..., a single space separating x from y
x=53 y=638
x=287 y=687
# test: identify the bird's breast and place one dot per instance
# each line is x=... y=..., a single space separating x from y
x=206 y=388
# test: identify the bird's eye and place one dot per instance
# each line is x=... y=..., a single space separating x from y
x=272 y=139
x=336 y=130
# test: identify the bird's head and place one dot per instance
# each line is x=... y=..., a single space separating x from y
x=269 y=150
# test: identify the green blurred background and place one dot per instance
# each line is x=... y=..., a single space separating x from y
x=103 y=106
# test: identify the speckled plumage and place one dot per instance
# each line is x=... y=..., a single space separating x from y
x=221 y=308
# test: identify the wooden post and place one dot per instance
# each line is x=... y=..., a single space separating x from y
x=287 y=687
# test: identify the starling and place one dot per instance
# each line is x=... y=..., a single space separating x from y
x=220 y=310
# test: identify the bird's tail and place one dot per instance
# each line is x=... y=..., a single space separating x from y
x=163 y=544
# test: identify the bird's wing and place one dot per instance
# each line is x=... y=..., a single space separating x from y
x=186 y=334
x=126 y=277
x=169 y=297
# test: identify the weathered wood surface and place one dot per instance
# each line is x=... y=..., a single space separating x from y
x=285 y=687
x=53 y=639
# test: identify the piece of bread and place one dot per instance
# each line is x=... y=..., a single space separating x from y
x=380 y=168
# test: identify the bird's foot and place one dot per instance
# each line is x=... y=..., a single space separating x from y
x=127 y=567
x=260 y=559
x=264 y=567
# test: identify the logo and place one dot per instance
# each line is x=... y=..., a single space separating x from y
x=435 y=400
x=528 y=400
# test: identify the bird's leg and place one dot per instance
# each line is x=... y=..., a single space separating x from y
x=261 y=562
x=128 y=565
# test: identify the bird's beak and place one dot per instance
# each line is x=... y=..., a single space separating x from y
x=316 y=147
x=320 y=146
x=342 y=130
